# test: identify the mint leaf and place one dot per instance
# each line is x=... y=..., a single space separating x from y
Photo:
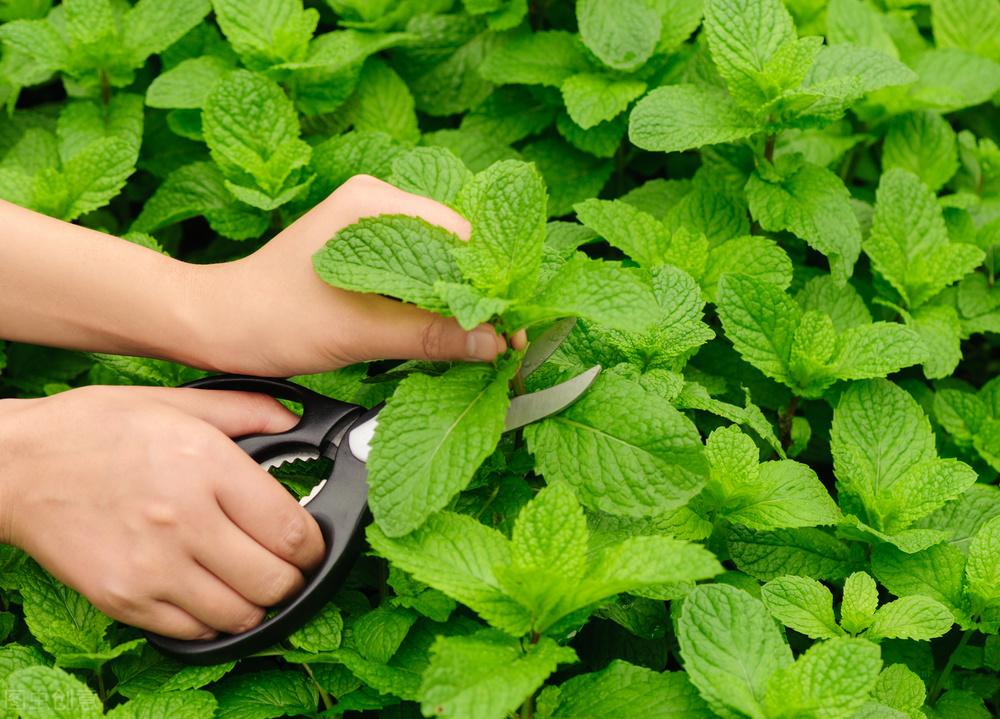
x=266 y=33
x=983 y=569
x=541 y=58
x=636 y=233
x=860 y=602
x=451 y=423
x=625 y=691
x=875 y=350
x=433 y=172
x=593 y=98
x=915 y=617
x=258 y=150
x=50 y=693
x=937 y=572
x=151 y=26
x=681 y=117
x=168 y=705
x=322 y=633
x=754 y=256
x=924 y=144
x=730 y=647
x=506 y=206
x=456 y=555
x=840 y=302
x=623 y=36
x=802 y=604
x=812 y=203
x=471 y=307
x=744 y=37
x=972 y=25
x=909 y=244
x=614 y=463
x=264 y=695
x=382 y=102
x=396 y=255
x=805 y=551
x=188 y=84
x=900 y=688
x=486 y=674
x=833 y=677
x=760 y=320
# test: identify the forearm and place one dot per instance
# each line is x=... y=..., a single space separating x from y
x=67 y=286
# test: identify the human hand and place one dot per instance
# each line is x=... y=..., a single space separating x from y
x=136 y=497
x=270 y=314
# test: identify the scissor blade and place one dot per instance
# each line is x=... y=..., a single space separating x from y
x=523 y=410
x=542 y=347
x=529 y=408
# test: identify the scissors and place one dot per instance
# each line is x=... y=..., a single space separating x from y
x=342 y=432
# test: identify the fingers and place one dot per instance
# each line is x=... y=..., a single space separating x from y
x=171 y=621
x=212 y=602
x=247 y=567
x=233 y=413
x=386 y=329
x=261 y=507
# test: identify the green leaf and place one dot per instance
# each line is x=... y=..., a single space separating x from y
x=592 y=98
x=972 y=25
x=396 y=255
x=841 y=302
x=812 y=203
x=922 y=143
x=750 y=255
x=875 y=350
x=831 y=678
x=601 y=291
x=432 y=436
x=266 y=33
x=914 y=617
x=731 y=647
x=805 y=551
x=433 y=172
x=471 y=307
x=636 y=233
x=265 y=694
x=941 y=332
x=252 y=130
x=383 y=103
x=615 y=463
x=622 y=36
x=760 y=320
x=626 y=691
x=921 y=489
x=908 y=243
x=983 y=569
x=188 y=84
x=322 y=633
x=506 y=206
x=682 y=117
x=540 y=58
x=151 y=26
x=168 y=705
x=900 y=688
x=744 y=36
x=802 y=604
x=571 y=175
x=50 y=693
x=859 y=603
x=456 y=555
x=486 y=675
x=937 y=572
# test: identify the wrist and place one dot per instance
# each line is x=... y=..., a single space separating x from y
x=12 y=452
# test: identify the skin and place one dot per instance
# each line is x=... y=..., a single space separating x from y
x=136 y=496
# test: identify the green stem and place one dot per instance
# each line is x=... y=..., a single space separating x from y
x=785 y=422
x=324 y=696
x=102 y=691
x=938 y=684
x=528 y=708
x=769 y=148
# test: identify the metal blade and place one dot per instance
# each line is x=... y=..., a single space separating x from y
x=542 y=347
x=532 y=407
x=523 y=410
x=281 y=459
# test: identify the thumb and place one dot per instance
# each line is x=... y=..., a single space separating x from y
x=394 y=330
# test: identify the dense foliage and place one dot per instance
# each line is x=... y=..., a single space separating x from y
x=778 y=225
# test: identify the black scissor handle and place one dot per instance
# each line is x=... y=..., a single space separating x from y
x=340 y=508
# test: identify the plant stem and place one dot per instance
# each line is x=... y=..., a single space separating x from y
x=785 y=422
x=938 y=684
x=102 y=691
x=324 y=696
x=528 y=708
x=769 y=148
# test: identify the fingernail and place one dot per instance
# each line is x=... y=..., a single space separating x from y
x=481 y=345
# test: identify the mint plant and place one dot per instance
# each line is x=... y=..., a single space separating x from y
x=777 y=226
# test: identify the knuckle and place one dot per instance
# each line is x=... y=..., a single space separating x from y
x=294 y=534
x=432 y=337
x=247 y=620
x=280 y=586
x=161 y=513
x=118 y=599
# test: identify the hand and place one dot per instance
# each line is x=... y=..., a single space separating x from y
x=136 y=497
x=270 y=314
